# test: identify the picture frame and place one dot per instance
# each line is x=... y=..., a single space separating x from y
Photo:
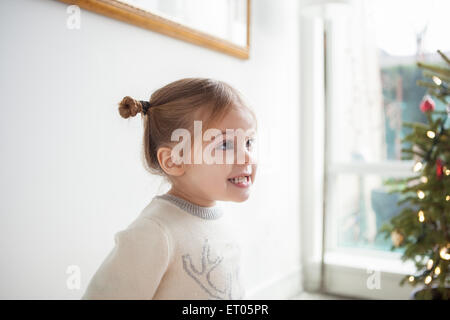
x=231 y=26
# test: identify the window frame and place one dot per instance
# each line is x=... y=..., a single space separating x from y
x=339 y=272
x=345 y=271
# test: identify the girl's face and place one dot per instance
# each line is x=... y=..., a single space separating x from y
x=205 y=183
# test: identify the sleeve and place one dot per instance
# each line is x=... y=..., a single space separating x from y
x=135 y=266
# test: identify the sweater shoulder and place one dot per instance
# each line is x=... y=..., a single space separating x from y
x=135 y=266
x=164 y=213
x=161 y=214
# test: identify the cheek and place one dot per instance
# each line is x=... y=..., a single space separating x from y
x=211 y=175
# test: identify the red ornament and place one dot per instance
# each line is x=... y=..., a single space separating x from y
x=427 y=104
x=439 y=168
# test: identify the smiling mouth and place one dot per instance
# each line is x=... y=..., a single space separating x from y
x=243 y=181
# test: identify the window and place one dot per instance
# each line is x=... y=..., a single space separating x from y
x=370 y=90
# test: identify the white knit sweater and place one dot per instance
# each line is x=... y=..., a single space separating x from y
x=173 y=250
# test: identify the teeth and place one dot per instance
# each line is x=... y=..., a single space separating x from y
x=240 y=179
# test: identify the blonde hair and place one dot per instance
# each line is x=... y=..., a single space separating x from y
x=175 y=106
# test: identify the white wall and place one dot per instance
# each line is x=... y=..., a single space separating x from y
x=71 y=174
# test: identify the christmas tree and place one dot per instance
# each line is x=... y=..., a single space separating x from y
x=422 y=228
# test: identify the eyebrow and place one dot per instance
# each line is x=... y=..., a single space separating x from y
x=223 y=132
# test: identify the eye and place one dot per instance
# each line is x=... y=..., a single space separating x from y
x=250 y=143
x=226 y=144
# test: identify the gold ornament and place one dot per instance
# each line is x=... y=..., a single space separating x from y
x=397 y=238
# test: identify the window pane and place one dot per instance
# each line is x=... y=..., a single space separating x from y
x=358 y=206
x=372 y=75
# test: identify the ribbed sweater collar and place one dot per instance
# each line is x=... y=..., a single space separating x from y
x=207 y=213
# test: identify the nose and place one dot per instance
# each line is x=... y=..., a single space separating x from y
x=245 y=156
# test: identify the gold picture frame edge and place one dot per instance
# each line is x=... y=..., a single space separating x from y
x=144 y=19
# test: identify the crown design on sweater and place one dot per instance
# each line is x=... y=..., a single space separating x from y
x=203 y=276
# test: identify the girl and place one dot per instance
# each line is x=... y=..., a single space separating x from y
x=180 y=247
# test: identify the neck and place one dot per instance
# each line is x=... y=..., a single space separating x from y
x=191 y=208
x=193 y=199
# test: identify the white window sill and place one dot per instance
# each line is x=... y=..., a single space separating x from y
x=347 y=273
x=370 y=260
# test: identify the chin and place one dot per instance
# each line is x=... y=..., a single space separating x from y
x=241 y=198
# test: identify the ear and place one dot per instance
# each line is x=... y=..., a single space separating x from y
x=164 y=155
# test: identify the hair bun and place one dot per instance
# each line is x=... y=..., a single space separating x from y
x=129 y=107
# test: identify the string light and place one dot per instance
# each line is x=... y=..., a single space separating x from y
x=430 y=264
x=431 y=134
x=411 y=279
x=421 y=216
x=418 y=166
x=420 y=194
x=447 y=198
x=444 y=252
x=437 y=80
x=447 y=172
x=437 y=271
x=424 y=179
x=428 y=279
